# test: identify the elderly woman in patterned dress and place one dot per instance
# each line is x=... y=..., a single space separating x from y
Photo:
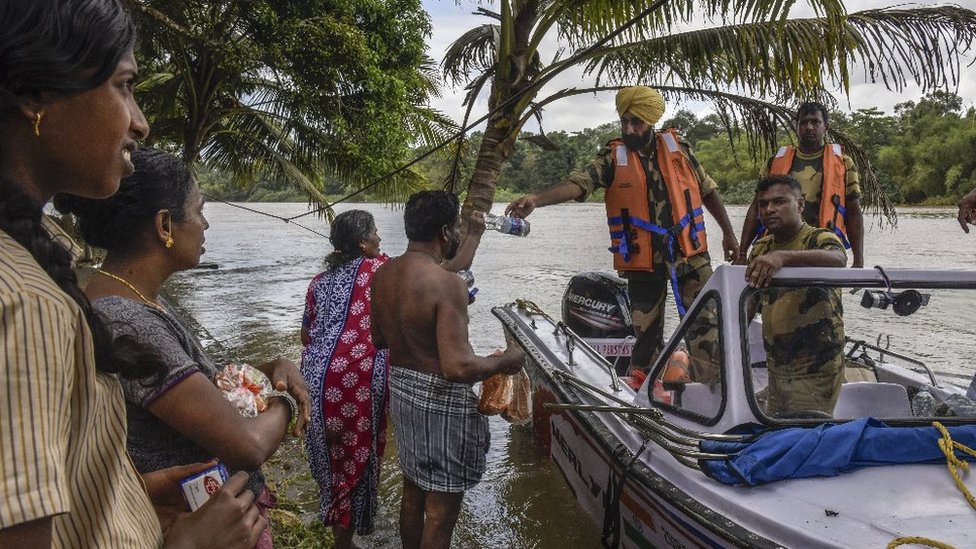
x=347 y=379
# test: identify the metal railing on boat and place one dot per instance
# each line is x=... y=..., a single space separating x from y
x=680 y=442
x=573 y=339
x=859 y=343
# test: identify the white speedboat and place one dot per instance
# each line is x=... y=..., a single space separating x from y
x=670 y=461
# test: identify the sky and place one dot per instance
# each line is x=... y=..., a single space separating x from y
x=451 y=18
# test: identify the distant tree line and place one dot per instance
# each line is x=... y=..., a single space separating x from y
x=923 y=153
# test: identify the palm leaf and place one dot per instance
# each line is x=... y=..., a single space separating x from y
x=472 y=51
x=786 y=61
x=584 y=22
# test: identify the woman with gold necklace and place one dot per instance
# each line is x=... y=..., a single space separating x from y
x=151 y=228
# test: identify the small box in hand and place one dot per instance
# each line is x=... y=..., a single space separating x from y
x=198 y=488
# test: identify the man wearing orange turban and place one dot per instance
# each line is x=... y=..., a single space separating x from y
x=656 y=191
x=646 y=103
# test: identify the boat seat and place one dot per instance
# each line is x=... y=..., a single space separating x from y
x=880 y=400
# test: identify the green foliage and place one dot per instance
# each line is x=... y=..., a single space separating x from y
x=694 y=129
x=289 y=91
x=928 y=154
x=923 y=154
x=752 y=62
x=288 y=477
x=730 y=165
x=533 y=167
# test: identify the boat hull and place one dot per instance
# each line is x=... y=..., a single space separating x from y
x=655 y=494
x=634 y=506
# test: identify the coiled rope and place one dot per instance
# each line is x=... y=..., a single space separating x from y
x=948 y=447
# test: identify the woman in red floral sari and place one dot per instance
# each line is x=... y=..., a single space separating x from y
x=347 y=380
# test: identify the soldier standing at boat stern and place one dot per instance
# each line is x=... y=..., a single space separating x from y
x=803 y=328
x=655 y=194
x=420 y=312
x=829 y=179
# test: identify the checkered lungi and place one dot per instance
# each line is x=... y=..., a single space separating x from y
x=440 y=436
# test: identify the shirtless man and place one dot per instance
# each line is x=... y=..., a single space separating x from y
x=420 y=312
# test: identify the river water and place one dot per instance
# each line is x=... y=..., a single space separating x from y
x=252 y=304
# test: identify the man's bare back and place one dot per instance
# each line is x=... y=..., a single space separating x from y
x=406 y=294
x=420 y=312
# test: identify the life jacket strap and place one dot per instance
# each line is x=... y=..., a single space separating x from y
x=832 y=225
x=760 y=231
x=623 y=248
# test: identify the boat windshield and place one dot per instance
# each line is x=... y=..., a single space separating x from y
x=688 y=378
x=836 y=352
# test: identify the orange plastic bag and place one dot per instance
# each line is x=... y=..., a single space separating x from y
x=519 y=409
x=496 y=394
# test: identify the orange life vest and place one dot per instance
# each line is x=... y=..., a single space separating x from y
x=628 y=205
x=833 y=192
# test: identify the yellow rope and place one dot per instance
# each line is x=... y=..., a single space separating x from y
x=532 y=309
x=919 y=541
x=948 y=447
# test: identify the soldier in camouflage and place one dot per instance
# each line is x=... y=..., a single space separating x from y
x=812 y=124
x=639 y=109
x=803 y=328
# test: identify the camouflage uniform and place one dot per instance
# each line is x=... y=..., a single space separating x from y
x=808 y=170
x=648 y=290
x=803 y=333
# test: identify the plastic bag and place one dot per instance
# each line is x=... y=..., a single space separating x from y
x=246 y=387
x=496 y=393
x=519 y=409
x=509 y=395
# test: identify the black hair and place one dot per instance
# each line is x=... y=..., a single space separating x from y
x=119 y=223
x=787 y=180
x=427 y=212
x=58 y=48
x=811 y=107
x=349 y=229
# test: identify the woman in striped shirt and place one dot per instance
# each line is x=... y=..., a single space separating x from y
x=69 y=123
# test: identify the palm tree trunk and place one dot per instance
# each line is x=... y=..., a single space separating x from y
x=498 y=142
x=484 y=180
x=514 y=76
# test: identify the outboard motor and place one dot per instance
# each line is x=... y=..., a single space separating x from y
x=596 y=306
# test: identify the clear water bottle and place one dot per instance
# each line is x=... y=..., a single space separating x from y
x=924 y=404
x=507 y=224
x=468 y=278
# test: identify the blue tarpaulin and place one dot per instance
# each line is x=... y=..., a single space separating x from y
x=828 y=450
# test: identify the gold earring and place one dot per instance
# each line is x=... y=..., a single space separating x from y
x=169 y=242
x=37 y=123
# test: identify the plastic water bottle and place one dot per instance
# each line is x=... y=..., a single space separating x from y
x=468 y=278
x=507 y=224
x=924 y=404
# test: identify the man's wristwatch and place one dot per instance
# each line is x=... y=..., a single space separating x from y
x=290 y=400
